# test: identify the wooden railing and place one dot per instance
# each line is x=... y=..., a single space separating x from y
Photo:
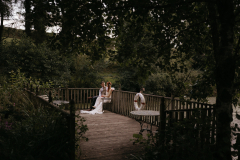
x=123 y=103
x=70 y=117
x=78 y=95
x=177 y=110
x=171 y=110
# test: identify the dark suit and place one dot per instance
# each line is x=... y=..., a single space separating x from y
x=94 y=98
x=102 y=91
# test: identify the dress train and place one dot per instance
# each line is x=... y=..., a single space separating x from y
x=98 y=104
x=97 y=110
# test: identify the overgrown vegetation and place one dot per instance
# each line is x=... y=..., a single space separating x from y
x=84 y=73
x=181 y=140
x=28 y=131
x=150 y=34
x=37 y=61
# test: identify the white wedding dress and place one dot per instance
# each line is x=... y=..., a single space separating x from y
x=98 y=105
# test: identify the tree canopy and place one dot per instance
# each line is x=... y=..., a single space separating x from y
x=150 y=34
x=205 y=31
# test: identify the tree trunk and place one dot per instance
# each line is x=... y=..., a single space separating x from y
x=27 y=6
x=1 y=33
x=225 y=71
x=63 y=33
x=39 y=22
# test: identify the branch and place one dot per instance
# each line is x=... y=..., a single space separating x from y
x=214 y=29
x=190 y=27
x=237 y=48
x=144 y=6
x=181 y=87
x=237 y=12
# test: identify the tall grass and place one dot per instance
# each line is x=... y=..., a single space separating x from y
x=29 y=132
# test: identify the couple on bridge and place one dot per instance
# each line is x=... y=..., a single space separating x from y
x=96 y=106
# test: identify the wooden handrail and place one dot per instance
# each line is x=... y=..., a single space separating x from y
x=183 y=110
x=122 y=103
x=69 y=116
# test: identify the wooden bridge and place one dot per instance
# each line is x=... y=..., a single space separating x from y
x=110 y=133
x=109 y=137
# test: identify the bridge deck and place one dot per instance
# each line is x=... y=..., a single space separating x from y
x=109 y=137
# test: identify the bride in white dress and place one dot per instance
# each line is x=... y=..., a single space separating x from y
x=98 y=103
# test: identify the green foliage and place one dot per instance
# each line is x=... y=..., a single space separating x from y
x=6 y=7
x=109 y=76
x=36 y=61
x=130 y=79
x=202 y=88
x=84 y=73
x=10 y=33
x=42 y=134
x=81 y=129
x=182 y=140
x=28 y=131
x=145 y=63
x=11 y=91
x=135 y=47
x=82 y=26
x=189 y=84
x=160 y=84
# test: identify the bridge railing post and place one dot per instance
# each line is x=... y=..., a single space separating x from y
x=67 y=94
x=72 y=129
x=37 y=91
x=162 y=119
x=50 y=97
x=119 y=98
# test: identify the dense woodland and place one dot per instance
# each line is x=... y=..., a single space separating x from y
x=171 y=47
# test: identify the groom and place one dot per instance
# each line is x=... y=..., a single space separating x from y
x=102 y=91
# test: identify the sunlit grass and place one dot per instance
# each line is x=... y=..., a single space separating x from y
x=7 y=40
x=108 y=76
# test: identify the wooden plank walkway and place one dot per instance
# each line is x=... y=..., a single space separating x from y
x=109 y=137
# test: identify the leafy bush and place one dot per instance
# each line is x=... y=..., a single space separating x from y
x=182 y=140
x=28 y=131
x=84 y=73
x=131 y=79
x=37 y=61
x=160 y=84
x=40 y=135
x=178 y=84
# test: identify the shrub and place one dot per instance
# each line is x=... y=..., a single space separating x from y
x=160 y=84
x=40 y=135
x=28 y=131
x=130 y=79
x=37 y=61
x=84 y=73
x=183 y=140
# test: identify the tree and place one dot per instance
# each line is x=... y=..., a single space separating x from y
x=27 y=6
x=37 y=15
x=40 y=21
x=192 y=27
x=84 y=74
x=5 y=11
x=82 y=27
x=131 y=46
x=39 y=61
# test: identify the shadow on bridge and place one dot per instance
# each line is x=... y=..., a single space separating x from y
x=110 y=133
x=109 y=137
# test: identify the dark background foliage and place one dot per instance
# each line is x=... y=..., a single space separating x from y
x=162 y=34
